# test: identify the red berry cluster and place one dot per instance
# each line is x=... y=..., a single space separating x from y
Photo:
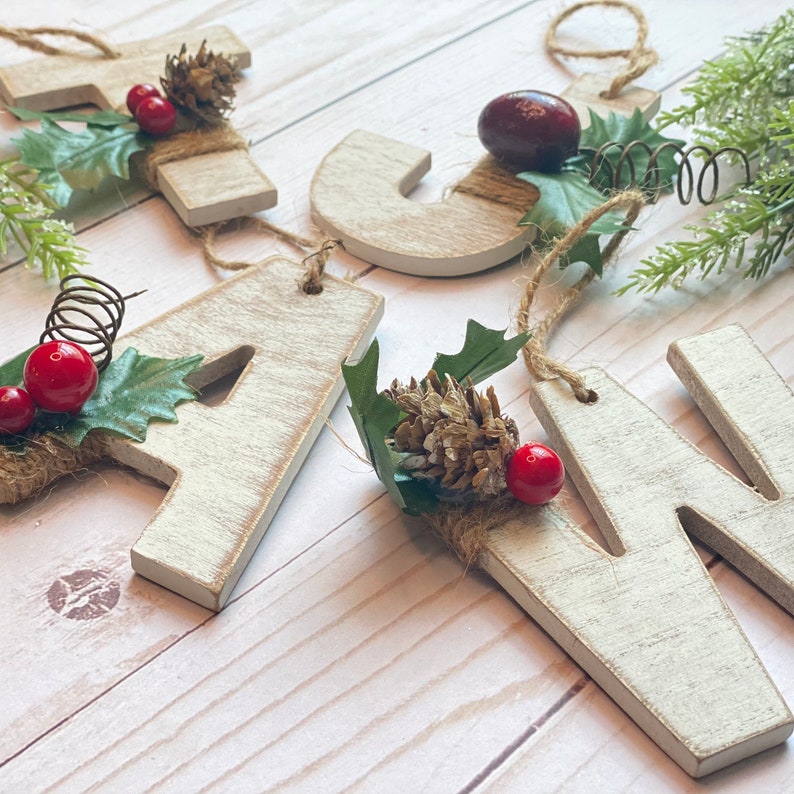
x=59 y=376
x=153 y=113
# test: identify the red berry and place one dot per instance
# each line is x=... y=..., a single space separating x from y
x=535 y=474
x=530 y=130
x=155 y=115
x=138 y=93
x=17 y=410
x=60 y=376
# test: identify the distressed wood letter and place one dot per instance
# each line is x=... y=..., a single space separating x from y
x=647 y=623
x=229 y=466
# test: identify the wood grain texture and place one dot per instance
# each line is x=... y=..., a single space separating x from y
x=752 y=410
x=230 y=466
x=52 y=82
x=359 y=194
x=354 y=654
x=215 y=187
x=208 y=188
x=645 y=621
x=586 y=92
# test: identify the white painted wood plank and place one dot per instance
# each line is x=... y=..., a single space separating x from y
x=307 y=697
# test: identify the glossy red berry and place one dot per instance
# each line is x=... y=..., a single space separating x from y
x=156 y=115
x=530 y=130
x=60 y=376
x=138 y=93
x=535 y=474
x=17 y=410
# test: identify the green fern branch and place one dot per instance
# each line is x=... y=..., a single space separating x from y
x=26 y=210
x=744 y=99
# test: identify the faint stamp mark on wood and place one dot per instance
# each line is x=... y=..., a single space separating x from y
x=85 y=594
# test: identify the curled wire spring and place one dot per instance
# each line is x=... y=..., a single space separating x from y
x=88 y=312
x=650 y=181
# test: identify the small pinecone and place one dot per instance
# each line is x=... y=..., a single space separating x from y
x=453 y=434
x=201 y=87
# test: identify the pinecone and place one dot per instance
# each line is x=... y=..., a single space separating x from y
x=453 y=435
x=201 y=87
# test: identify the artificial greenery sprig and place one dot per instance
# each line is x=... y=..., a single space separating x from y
x=26 y=210
x=735 y=99
x=744 y=100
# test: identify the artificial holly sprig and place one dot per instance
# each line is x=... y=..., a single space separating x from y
x=568 y=190
x=72 y=387
x=132 y=391
x=67 y=160
x=439 y=440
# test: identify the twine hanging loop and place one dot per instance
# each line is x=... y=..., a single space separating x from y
x=31 y=38
x=640 y=57
x=540 y=365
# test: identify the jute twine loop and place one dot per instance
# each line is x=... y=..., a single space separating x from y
x=465 y=529
x=540 y=365
x=640 y=58
x=29 y=37
x=315 y=261
x=315 y=266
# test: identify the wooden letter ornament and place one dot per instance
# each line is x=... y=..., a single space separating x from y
x=204 y=189
x=359 y=194
x=646 y=621
x=229 y=466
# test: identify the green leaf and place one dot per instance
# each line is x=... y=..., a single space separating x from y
x=131 y=392
x=484 y=352
x=623 y=130
x=70 y=161
x=375 y=416
x=11 y=371
x=565 y=198
x=586 y=249
x=100 y=118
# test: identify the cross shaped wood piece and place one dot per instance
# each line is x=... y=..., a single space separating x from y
x=204 y=189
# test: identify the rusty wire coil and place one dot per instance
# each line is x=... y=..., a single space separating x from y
x=88 y=312
x=687 y=184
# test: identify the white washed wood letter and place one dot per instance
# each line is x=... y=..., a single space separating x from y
x=648 y=623
x=229 y=466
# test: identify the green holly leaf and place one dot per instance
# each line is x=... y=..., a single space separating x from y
x=99 y=118
x=484 y=352
x=131 y=392
x=565 y=198
x=11 y=371
x=625 y=130
x=69 y=161
x=588 y=250
x=375 y=416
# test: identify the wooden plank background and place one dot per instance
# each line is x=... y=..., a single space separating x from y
x=355 y=653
